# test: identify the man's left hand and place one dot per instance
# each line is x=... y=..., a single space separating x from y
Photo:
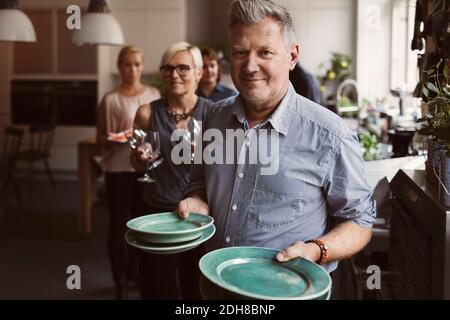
x=309 y=251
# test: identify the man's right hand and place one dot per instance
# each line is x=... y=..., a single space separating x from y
x=191 y=204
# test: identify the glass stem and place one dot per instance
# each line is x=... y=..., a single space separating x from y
x=147 y=169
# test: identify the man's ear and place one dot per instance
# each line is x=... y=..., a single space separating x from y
x=294 y=55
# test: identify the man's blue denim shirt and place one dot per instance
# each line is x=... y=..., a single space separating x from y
x=320 y=177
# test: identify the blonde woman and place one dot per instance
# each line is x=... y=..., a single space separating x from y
x=116 y=114
x=171 y=276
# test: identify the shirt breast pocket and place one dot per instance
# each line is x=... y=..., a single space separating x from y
x=276 y=201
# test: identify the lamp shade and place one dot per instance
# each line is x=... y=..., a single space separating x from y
x=98 y=26
x=16 y=26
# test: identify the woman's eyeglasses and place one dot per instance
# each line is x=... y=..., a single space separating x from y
x=182 y=69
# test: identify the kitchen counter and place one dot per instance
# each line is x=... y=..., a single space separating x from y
x=378 y=169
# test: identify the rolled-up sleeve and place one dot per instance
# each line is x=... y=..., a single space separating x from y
x=348 y=195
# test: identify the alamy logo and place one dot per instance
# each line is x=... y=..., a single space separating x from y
x=254 y=147
x=374 y=280
x=74 y=20
x=74 y=280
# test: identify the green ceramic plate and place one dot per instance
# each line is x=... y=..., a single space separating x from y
x=254 y=273
x=211 y=291
x=167 y=227
x=158 y=248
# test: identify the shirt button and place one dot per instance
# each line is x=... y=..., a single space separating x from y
x=241 y=175
x=234 y=207
x=227 y=239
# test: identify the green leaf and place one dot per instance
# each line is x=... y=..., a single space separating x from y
x=425 y=91
x=446 y=71
x=447 y=91
x=432 y=87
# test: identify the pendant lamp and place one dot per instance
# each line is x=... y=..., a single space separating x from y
x=15 y=26
x=98 y=26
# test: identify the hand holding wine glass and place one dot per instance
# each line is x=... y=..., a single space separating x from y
x=135 y=138
x=149 y=153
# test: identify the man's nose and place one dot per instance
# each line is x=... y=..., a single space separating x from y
x=251 y=64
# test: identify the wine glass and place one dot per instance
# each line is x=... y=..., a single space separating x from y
x=192 y=138
x=136 y=138
x=196 y=131
x=150 y=148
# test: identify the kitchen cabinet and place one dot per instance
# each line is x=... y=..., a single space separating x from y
x=64 y=103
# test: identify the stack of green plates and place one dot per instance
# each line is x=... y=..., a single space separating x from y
x=166 y=233
x=254 y=273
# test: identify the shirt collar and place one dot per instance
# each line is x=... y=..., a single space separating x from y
x=219 y=87
x=279 y=119
x=237 y=109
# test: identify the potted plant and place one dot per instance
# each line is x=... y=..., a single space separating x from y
x=337 y=71
x=369 y=145
x=436 y=124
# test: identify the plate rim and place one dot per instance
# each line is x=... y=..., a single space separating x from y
x=201 y=228
x=255 y=295
x=204 y=237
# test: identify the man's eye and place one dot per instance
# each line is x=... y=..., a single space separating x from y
x=240 y=52
x=266 y=53
x=183 y=68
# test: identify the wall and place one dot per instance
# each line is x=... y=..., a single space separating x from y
x=373 y=49
x=198 y=21
x=322 y=26
x=218 y=20
x=150 y=25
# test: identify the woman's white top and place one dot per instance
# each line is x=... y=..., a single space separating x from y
x=120 y=113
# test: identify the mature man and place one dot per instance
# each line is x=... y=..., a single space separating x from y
x=317 y=205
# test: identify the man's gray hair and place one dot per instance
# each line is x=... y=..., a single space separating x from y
x=254 y=11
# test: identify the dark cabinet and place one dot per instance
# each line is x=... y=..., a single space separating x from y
x=65 y=103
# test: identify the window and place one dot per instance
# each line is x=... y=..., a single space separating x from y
x=404 y=70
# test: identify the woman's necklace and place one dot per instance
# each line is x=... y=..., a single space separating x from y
x=177 y=117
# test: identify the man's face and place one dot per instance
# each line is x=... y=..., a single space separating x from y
x=210 y=70
x=260 y=62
